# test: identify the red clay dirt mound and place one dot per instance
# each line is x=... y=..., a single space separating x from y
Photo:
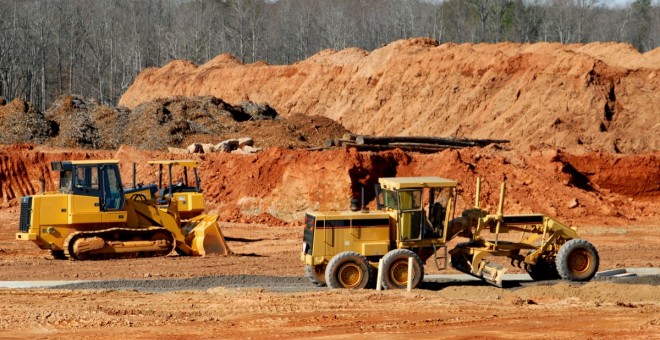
x=280 y=185
x=598 y=96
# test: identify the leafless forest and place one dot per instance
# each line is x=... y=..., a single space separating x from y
x=96 y=48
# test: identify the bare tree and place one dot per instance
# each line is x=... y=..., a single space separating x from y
x=97 y=48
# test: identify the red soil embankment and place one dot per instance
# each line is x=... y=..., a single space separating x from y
x=580 y=98
x=280 y=184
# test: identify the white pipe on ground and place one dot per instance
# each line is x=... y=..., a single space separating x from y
x=410 y=273
x=379 y=279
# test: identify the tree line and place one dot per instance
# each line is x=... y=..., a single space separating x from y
x=97 y=48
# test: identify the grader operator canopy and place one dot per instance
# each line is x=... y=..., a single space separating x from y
x=396 y=183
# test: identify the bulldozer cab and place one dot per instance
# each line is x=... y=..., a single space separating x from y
x=420 y=204
x=180 y=182
x=92 y=178
x=168 y=184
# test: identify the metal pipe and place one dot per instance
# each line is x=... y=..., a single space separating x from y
x=170 y=172
x=500 y=207
x=362 y=197
x=160 y=176
x=500 y=212
x=134 y=185
x=476 y=198
x=196 y=180
x=43 y=184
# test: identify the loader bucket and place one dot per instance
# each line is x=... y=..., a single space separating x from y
x=204 y=236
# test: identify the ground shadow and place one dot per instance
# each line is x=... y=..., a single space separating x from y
x=435 y=286
x=250 y=255
x=242 y=239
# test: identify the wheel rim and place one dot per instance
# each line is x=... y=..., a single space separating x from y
x=399 y=273
x=350 y=275
x=579 y=261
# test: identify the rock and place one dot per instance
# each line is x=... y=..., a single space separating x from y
x=573 y=203
x=208 y=148
x=178 y=151
x=258 y=111
x=222 y=147
x=246 y=150
x=233 y=142
x=245 y=141
x=195 y=148
x=240 y=152
x=227 y=146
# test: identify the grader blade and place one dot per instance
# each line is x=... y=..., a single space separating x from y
x=470 y=261
x=204 y=236
x=492 y=273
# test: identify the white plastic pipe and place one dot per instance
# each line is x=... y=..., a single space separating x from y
x=379 y=279
x=410 y=273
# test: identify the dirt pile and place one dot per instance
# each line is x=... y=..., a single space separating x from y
x=174 y=121
x=21 y=122
x=276 y=184
x=598 y=96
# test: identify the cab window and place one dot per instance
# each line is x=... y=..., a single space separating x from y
x=87 y=177
x=390 y=199
x=410 y=199
x=65 y=181
x=113 y=197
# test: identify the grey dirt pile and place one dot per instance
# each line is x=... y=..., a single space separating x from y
x=299 y=283
x=272 y=283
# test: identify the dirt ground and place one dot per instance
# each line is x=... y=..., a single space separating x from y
x=580 y=119
x=601 y=308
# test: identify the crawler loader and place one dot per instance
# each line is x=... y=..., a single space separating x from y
x=92 y=216
x=342 y=249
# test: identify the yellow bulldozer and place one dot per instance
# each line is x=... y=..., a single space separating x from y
x=342 y=249
x=92 y=216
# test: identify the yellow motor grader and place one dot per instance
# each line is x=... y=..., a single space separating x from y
x=342 y=249
x=92 y=216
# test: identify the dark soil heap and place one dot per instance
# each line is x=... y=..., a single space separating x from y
x=171 y=122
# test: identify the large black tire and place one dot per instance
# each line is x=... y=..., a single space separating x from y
x=316 y=274
x=577 y=260
x=542 y=271
x=395 y=269
x=348 y=270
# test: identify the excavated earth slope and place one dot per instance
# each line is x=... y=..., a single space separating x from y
x=598 y=96
x=274 y=186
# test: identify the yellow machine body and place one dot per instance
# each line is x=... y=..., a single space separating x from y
x=334 y=232
x=418 y=215
x=92 y=217
x=187 y=193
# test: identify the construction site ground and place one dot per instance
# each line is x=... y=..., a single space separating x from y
x=218 y=296
x=582 y=121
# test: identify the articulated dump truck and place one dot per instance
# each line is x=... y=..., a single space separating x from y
x=92 y=215
x=342 y=249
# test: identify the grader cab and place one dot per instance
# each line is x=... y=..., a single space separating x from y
x=415 y=218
